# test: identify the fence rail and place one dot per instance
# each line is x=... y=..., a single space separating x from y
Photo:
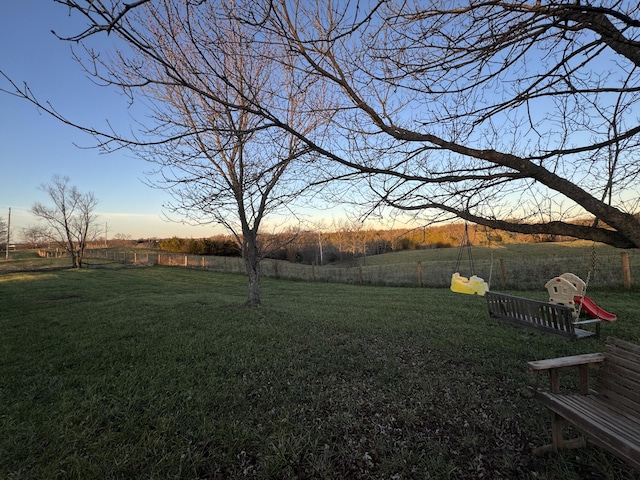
x=523 y=273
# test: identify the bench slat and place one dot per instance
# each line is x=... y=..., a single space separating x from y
x=616 y=375
x=626 y=359
x=607 y=416
x=626 y=403
x=580 y=333
x=619 y=377
x=619 y=344
x=600 y=422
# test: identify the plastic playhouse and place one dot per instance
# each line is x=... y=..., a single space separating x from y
x=569 y=289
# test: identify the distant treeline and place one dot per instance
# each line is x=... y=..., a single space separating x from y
x=324 y=247
x=220 y=246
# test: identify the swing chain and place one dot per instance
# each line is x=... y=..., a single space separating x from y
x=466 y=243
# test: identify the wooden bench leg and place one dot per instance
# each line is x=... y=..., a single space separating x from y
x=556 y=432
x=583 y=372
x=557 y=440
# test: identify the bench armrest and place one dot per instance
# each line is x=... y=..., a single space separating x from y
x=582 y=322
x=563 y=362
x=554 y=365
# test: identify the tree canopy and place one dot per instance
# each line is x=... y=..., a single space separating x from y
x=518 y=116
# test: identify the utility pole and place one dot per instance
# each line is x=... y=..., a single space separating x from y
x=6 y=251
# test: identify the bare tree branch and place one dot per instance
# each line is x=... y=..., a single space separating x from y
x=487 y=110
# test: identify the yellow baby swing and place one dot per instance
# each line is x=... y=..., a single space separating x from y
x=474 y=284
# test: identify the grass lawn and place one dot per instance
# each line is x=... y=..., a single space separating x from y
x=159 y=372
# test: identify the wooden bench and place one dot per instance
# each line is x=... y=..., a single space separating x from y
x=547 y=317
x=610 y=415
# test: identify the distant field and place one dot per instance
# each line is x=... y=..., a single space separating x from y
x=524 y=266
x=26 y=260
x=118 y=371
x=577 y=249
x=508 y=267
x=513 y=266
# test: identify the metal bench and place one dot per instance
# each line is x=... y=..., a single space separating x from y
x=608 y=416
x=543 y=316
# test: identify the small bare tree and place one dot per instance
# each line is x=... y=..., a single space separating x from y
x=3 y=231
x=34 y=235
x=71 y=221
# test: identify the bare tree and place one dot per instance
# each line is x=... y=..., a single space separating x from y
x=3 y=233
x=518 y=116
x=71 y=221
x=34 y=235
x=223 y=162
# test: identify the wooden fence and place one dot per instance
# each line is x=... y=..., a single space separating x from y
x=518 y=274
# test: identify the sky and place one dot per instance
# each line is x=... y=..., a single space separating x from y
x=34 y=146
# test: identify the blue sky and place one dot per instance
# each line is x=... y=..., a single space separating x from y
x=35 y=146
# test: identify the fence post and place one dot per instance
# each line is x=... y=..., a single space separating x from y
x=419 y=274
x=313 y=271
x=158 y=259
x=626 y=270
x=186 y=261
x=360 y=275
x=276 y=273
x=503 y=275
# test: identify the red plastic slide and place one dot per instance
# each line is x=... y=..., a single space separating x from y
x=594 y=310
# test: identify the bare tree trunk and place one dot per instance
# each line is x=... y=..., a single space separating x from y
x=74 y=260
x=63 y=204
x=251 y=257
